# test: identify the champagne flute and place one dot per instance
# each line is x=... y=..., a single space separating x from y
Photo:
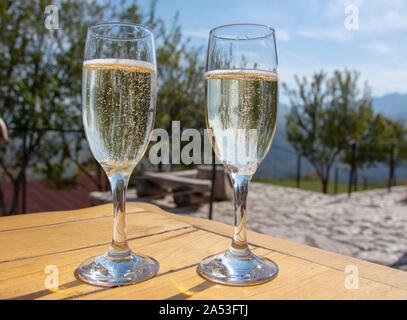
x=118 y=108
x=241 y=117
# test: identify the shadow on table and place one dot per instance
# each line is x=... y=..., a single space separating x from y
x=45 y=292
x=401 y=263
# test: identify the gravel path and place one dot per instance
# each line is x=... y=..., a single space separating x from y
x=371 y=225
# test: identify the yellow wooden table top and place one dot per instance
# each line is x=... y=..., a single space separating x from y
x=41 y=245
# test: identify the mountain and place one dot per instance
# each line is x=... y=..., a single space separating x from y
x=392 y=105
x=281 y=161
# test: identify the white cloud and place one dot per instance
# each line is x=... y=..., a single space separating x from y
x=283 y=35
x=339 y=35
x=374 y=15
x=202 y=33
x=378 y=47
x=385 y=21
x=382 y=79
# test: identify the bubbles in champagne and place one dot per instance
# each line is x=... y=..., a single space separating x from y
x=119 y=103
x=240 y=102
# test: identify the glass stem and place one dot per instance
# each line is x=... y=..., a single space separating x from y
x=118 y=184
x=241 y=186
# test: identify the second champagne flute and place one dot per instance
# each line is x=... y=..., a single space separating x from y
x=118 y=104
x=241 y=116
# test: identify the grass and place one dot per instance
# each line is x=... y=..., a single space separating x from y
x=315 y=185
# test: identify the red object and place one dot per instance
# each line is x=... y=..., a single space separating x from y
x=41 y=198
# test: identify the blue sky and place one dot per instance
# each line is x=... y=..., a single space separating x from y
x=311 y=34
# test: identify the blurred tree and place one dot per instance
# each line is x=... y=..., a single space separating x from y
x=396 y=142
x=180 y=80
x=180 y=74
x=375 y=143
x=180 y=71
x=326 y=115
x=354 y=120
x=40 y=84
x=40 y=78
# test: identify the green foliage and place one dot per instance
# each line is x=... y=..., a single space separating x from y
x=180 y=70
x=310 y=123
x=40 y=84
x=41 y=81
x=329 y=113
x=180 y=80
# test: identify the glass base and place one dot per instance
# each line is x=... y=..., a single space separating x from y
x=114 y=269
x=238 y=268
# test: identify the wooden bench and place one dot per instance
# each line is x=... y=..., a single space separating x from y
x=186 y=191
x=189 y=187
x=176 y=181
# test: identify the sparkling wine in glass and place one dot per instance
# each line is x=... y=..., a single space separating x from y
x=118 y=107
x=241 y=116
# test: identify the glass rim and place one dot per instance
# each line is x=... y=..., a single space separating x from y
x=267 y=27
x=128 y=24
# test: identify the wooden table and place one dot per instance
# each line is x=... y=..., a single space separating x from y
x=31 y=242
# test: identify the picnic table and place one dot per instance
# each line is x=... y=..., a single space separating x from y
x=37 y=246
